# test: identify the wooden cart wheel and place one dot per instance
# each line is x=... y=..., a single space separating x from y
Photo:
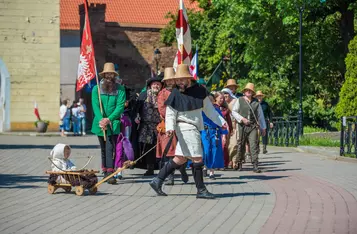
x=51 y=189
x=93 y=190
x=79 y=190
x=67 y=189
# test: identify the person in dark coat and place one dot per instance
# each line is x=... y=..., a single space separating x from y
x=267 y=116
x=147 y=118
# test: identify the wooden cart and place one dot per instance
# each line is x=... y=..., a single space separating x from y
x=66 y=179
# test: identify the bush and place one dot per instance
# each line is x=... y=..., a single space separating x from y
x=310 y=129
x=347 y=105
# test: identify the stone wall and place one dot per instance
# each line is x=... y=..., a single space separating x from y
x=30 y=48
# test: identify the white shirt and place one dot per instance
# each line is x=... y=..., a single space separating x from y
x=193 y=119
x=62 y=112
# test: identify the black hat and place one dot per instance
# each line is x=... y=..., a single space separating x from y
x=153 y=79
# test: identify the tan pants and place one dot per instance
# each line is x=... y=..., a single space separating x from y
x=233 y=144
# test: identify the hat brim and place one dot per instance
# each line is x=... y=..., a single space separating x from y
x=168 y=78
x=103 y=72
x=230 y=85
x=259 y=95
x=248 y=89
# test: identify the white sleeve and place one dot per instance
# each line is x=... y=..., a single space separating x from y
x=63 y=111
x=261 y=118
x=212 y=113
x=235 y=110
x=170 y=118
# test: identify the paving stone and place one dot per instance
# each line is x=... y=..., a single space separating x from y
x=296 y=193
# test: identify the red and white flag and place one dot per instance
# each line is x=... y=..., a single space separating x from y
x=183 y=36
x=194 y=66
x=36 y=112
x=86 y=66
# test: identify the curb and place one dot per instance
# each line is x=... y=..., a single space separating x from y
x=47 y=134
x=332 y=153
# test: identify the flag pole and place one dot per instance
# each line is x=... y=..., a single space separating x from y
x=95 y=68
x=197 y=62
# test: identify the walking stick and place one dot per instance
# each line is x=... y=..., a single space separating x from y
x=166 y=150
x=100 y=99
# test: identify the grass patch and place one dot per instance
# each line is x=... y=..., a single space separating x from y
x=311 y=129
x=318 y=141
x=349 y=155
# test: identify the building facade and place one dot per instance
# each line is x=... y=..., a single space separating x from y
x=30 y=50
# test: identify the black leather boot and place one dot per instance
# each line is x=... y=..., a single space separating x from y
x=184 y=176
x=202 y=191
x=156 y=183
x=265 y=151
x=112 y=180
x=256 y=168
x=240 y=166
x=150 y=170
x=170 y=179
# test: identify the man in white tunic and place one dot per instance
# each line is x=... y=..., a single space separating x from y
x=184 y=118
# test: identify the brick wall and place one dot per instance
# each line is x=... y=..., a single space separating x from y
x=29 y=46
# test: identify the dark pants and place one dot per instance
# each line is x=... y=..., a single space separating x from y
x=265 y=138
x=107 y=149
x=248 y=134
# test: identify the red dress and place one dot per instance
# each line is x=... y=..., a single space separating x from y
x=226 y=115
x=162 y=139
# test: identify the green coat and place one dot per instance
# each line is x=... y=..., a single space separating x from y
x=113 y=107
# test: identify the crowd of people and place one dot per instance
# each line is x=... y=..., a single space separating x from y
x=175 y=124
x=73 y=117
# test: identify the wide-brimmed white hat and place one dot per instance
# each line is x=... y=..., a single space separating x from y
x=227 y=90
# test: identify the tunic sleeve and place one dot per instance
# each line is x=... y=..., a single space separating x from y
x=235 y=111
x=170 y=118
x=211 y=112
x=95 y=103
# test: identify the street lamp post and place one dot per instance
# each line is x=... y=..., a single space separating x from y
x=301 y=127
x=231 y=36
x=157 y=58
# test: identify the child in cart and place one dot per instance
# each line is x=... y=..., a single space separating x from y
x=61 y=163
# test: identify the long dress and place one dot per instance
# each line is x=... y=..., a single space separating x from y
x=147 y=133
x=226 y=115
x=212 y=143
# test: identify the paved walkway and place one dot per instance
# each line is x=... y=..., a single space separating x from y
x=296 y=193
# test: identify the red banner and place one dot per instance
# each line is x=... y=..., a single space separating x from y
x=86 y=66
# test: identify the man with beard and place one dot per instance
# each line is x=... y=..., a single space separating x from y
x=148 y=117
x=112 y=100
x=249 y=115
x=162 y=138
x=184 y=118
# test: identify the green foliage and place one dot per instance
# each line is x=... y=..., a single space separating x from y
x=310 y=129
x=347 y=105
x=265 y=49
x=321 y=141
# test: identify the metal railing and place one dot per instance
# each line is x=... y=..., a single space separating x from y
x=285 y=131
x=348 y=137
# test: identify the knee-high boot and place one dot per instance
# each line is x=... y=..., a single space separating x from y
x=156 y=183
x=202 y=191
x=184 y=176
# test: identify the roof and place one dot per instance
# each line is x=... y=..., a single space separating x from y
x=143 y=13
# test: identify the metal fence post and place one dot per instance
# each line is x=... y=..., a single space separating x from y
x=342 y=147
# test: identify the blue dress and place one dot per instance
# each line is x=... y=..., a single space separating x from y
x=212 y=143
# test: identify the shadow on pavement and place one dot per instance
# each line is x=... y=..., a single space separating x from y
x=257 y=177
x=224 y=195
x=46 y=146
x=279 y=153
x=286 y=169
x=11 y=181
